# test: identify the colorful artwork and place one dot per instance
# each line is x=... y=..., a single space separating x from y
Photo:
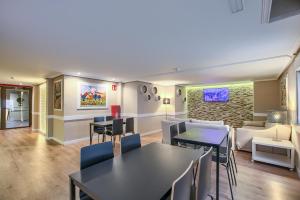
x=92 y=96
x=58 y=95
x=216 y=94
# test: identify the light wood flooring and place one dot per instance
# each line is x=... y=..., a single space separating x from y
x=33 y=168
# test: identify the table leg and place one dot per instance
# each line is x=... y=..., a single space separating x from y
x=91 y=138
x=72 y=190
x=217 y=173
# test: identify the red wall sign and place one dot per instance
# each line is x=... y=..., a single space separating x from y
x=114 y=87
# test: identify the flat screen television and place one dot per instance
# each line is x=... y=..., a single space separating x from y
x=216 y=95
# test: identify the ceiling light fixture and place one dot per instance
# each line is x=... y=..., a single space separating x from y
x=236 y=5
x=78 y=73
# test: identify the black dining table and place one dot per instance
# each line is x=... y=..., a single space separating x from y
x=145 y=173
x=205 y=137
x=103 y=124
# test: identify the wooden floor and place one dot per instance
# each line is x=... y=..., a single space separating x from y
x=33 y=168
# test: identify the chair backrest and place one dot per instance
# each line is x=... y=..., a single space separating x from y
x=181 y=127
x=173 y=133
x=129 y=125
x=130 y=142
x=96 y=153
x=98 y=119
x=117 y=127
x=165 y=126
x=108 y=118
x=204 y=175
x=181 y=188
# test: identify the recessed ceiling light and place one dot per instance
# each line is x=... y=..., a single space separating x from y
x=78 y=73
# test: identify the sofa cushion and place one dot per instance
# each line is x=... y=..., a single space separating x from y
x=254 y=123
x=207 y=122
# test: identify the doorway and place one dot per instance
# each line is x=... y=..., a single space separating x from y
x=15 y=106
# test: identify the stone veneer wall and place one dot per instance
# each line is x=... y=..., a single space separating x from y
x=238 y=109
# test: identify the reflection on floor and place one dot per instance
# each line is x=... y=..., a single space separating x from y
x=34 y=168
x=17 y=124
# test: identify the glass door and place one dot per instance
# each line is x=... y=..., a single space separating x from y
x=16 y=106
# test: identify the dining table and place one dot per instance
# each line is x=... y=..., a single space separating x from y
x=103 y=124
x=144 y=173
x=205 y=137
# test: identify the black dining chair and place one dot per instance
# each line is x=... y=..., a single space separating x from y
x=173 y=133
x=129 y=127
x=225 y=161
x=93 y=154
x=130 y=142
x=181 y=127
x=117 y=129
x=99 y=130
x=109 y=118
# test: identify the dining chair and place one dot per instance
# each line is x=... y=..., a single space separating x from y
x=203 y=176
x=181 y=187
x=181 y=127
x=93 y=154
x=117 y=129
x=129 y=127
x=109 y=118
x=225 y=161
x=173 y=133
x=130 y=142
x=99 y=130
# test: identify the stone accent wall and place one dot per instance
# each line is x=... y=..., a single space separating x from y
x=238 y=109
x=283 y=91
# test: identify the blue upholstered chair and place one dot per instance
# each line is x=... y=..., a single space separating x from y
x=93 y=154
x=130 y=142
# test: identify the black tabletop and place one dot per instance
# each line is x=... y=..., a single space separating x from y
x=146 y=173
x=203 y=136
x=106 y=123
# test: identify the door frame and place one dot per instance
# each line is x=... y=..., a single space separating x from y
x=4 y=87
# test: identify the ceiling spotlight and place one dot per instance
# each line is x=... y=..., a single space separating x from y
x=236 y=5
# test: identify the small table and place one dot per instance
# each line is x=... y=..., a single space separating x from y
x=103 y=124
x=206 y=137
x=271 y=158
x=146 y=173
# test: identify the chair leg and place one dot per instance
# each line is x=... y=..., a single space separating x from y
x=229 y=168
x=119 y=138
x=229 y=183
x=211 y=197
x=233 y=172
x=103 y=137
x=234 y=161
x=98 y=138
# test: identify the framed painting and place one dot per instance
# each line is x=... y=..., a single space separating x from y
x=57 y=95
x=92 y=96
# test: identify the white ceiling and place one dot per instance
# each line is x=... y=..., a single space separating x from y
x=142 y=40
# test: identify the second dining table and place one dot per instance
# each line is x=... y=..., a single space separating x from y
x=103 y=124
x=206 y=137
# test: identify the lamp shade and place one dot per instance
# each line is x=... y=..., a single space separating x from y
x=166 y=101
x=277 y=117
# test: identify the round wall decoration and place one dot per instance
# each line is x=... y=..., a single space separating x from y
x=178 y=92
x=157 y=98
x=143 y=89
x=154 y=90
x=148 y=97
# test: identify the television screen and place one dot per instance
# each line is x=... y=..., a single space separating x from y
x=216 y=94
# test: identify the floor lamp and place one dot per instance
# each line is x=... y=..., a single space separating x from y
x=166 y=101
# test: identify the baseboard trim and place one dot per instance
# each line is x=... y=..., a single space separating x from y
x=78 y=140
x=151 y=132
x=56 y=140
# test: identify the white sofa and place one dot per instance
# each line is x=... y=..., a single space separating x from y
x=190 y=123
x=245 y=134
